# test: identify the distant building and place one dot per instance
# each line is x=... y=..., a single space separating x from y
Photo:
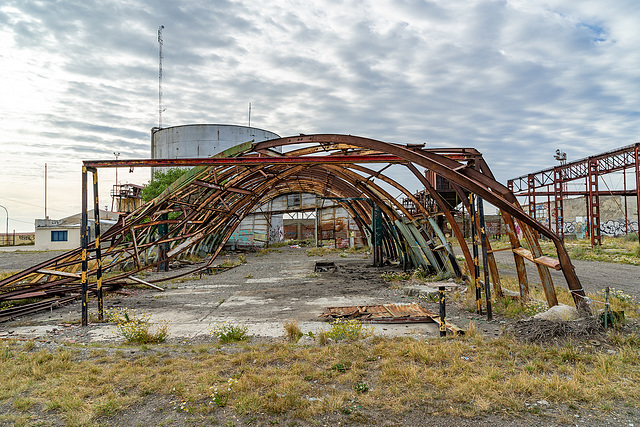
x=64 y=234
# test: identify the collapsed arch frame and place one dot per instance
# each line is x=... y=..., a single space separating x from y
x=206 y=205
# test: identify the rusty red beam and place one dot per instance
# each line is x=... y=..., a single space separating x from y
x=246 y=161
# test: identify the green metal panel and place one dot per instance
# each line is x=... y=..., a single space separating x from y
x=417 y=255
x=424 y=246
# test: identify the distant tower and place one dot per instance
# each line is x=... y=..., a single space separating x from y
x=160 y=77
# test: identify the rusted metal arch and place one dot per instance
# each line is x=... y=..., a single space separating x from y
x=464 y=175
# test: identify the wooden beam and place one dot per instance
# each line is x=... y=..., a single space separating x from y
x=542 y=260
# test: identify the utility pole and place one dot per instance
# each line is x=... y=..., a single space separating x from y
x=117 y=191
x=7 y=238
x=160 y=42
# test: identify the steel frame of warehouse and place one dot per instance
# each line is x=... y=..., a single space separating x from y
x=552 y=182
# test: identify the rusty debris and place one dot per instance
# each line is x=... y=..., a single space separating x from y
x=387 y=313
x=325 y=266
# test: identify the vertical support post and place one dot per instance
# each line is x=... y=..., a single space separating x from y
x=84 y=242
x=558 y=183
x=376 y=231
x=606 y=306
x=594 y=203
x=549 y=208
x=521 y=268
x=531 y=192
x=443 y=312
x=163 y=248
x=476 y=265
x=485 y=263
x=626 y=213
x=96 y=210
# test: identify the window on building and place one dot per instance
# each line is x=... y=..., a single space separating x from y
x=59 y=236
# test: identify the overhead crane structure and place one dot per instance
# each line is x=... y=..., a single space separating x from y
x=201 y=210
x=551 y=184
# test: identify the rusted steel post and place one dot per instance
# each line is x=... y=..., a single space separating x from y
x=443 y=312
x=163 y=248
x=84 y=241
x=96 y=210
x=377 y=236
x=521 y=268
x=485 y=264
x=476 y=264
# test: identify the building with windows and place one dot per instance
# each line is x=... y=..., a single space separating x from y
x=64 y=234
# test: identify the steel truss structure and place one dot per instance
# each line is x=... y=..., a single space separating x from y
x=201 y=210
x=551 y=183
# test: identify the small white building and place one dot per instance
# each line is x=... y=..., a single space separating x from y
x=64 y=234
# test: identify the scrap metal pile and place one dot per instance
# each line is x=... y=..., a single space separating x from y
x=199 y=212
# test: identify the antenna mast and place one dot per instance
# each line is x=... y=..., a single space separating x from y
x=160 y=77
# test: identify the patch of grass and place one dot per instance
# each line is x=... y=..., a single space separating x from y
x=361 y=388
x=322 y=251
x=266 y=251
x=136 y=328
x=621 y=250
x=228 y=332
x=234 y=263
x=5 y=274
x=348 y=330
x=292 y=330
x=395 y=276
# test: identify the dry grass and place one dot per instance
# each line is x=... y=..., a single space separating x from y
x=292 y=330
x=466 y=377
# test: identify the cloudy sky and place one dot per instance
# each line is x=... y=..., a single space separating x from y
x=515 y=79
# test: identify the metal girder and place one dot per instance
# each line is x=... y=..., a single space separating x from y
x=607 y=162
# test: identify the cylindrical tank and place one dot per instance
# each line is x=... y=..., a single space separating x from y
x=202 y=140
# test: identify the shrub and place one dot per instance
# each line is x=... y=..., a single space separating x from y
x=348 y=330
x=137 y=328
x=292 y=330
x=229 y=332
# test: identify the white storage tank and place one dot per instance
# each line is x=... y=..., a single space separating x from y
x=202 y=140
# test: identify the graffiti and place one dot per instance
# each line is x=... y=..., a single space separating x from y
x=612 y=228
x=617 y=228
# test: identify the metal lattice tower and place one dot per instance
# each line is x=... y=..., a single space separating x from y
x=160 y=42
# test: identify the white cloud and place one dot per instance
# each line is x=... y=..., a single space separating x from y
x=515 y=79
